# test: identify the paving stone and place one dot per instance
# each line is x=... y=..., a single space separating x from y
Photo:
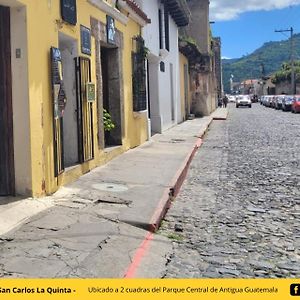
x=229 y=272
x=242 y=196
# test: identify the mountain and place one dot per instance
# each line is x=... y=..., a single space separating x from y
x=263 y=61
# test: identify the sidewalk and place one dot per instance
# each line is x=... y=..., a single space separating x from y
x=99 y=225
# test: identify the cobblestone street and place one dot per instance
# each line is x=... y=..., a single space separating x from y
x=238 y=212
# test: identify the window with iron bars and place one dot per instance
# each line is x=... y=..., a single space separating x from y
x=139 y=75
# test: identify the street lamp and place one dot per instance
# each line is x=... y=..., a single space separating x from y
x=231 y=83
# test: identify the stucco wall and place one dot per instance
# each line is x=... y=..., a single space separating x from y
x=34 y=147
x=164 y=89
x=20 y=97
x=184 y=84
x=198 y=27
x=285 y=87
x=151 y=31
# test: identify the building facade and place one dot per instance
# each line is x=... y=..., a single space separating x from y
x=82 y=81
x=63 y=64
x=203 y=72
x=218 y=66
x=163 y=72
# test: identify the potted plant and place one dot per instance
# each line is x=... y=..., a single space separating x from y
x=107 y=121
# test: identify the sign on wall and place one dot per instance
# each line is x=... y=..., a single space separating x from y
x=59 y=95
x=110 y=30
x=85 y=34
x=90 y=92
x=68 y=11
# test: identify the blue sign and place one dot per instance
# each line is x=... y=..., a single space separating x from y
x=85 y=34
x=110 y=30
x=69 y=11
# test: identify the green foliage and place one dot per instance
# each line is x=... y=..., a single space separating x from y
x=107 y=121
x=271 y=55
x=284 y=74
x=175 y=237
x=142 y=50
x=188 y=39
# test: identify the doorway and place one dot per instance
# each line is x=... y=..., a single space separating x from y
x=68 y=50
x=110 y=66
x=172 y=93
x=186 y=92
x=7 y=176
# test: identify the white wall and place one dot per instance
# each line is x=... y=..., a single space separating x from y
x=151 y=31
x=165 y=80
x=161 y=107
x=20 y=98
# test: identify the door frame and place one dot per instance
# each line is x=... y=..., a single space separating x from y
x=7 y=169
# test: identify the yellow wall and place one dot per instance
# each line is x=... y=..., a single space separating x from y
x=183 y=61
x=43 y=25
x=134 y=121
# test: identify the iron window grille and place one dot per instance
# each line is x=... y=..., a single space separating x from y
x=139 y=75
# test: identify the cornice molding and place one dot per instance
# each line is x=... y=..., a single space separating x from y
x=113 y=12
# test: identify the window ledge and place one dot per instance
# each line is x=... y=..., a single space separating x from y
x=139 y=114
x=105 y=7
x=163 y=53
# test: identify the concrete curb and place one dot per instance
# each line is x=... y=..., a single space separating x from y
x=170 y=193
x=164 y=204
x=217 y=116
x=175 y=184
x=18 y=213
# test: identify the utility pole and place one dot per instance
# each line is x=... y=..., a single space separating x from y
x=293 y=82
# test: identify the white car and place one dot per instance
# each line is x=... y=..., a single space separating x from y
x=243 y=100
x=231 y=99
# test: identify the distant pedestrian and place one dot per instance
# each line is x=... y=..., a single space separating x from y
x=225 y=101
x=220 y=102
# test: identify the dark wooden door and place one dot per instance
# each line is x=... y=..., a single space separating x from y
x=7 y=182
x=58 y=94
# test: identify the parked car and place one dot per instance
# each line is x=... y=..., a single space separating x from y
x=296 y=104
x=243 y=100
x=287 y=102
x=278 y=101
x=231 y=98
x=267 y=100
x=254 y=98
x=272 y=102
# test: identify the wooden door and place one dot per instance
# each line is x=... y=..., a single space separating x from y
x=7 y=181
x=85 y=110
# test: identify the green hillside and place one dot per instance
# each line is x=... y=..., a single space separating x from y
x=268 y=57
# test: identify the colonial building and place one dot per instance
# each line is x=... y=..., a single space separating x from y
x=166 y=97
x=62 y=64
x=202 y=65
x=218 y=66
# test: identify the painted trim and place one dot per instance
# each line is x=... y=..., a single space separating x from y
x=132 y=14
x=103 y=6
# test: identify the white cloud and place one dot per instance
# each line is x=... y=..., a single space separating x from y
x=222 y=10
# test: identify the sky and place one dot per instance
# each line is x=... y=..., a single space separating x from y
x=245 y=25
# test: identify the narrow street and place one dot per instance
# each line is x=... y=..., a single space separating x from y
x=238 y=213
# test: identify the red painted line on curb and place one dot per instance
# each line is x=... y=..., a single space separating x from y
x=163 y=206
x=180 y=175
x=139 y=255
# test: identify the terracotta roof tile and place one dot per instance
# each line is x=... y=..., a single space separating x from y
x=135 y=7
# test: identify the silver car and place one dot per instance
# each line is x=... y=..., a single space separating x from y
x=243 y=100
